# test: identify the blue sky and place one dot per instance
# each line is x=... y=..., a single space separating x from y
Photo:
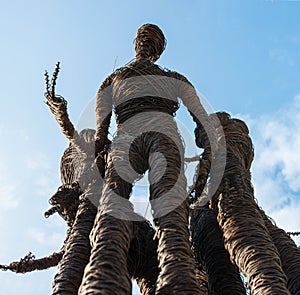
x=243 y=56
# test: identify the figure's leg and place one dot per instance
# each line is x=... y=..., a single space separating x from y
x=106 y=272
x=171 y=211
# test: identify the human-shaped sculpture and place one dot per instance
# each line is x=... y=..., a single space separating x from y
x=145 y=98
x=266 y=256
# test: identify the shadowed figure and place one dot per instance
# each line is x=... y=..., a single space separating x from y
x=145 y=99
x=245 y=231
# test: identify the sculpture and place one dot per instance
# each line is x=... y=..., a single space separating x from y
x=252 y=241
x=229 y=235
x=145 y=99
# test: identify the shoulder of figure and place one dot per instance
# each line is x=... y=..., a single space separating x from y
x=177 y=76
x=108 y=81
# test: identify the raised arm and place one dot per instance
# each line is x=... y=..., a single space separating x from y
x=58 y=107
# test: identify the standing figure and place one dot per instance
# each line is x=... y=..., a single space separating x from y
x=144 y=98
x=249 y=237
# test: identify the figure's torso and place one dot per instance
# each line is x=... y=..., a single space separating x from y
x=142 y=86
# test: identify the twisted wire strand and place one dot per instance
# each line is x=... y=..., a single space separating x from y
x=290 y=233
x=47 y=81
x=54 y=78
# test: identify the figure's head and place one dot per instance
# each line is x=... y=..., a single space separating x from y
x=149 y=43
x=65 y=202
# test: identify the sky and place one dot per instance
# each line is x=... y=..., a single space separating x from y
x=242 y=56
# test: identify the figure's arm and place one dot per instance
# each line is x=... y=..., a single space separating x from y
x=58 y=107
x=29 y=263
x=205 y=132
x=103 y=114
x=191 y=101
